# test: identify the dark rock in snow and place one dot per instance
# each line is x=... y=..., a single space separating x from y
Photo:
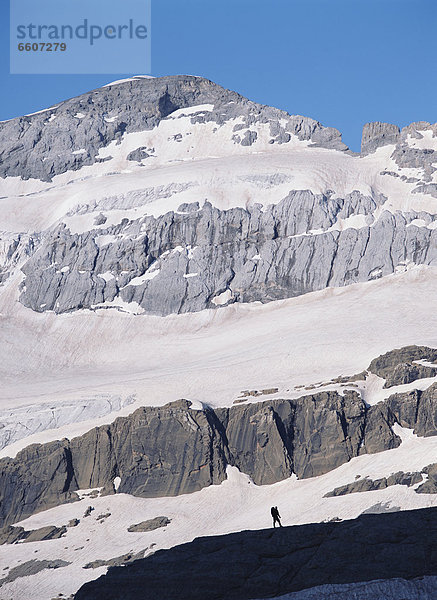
x=150 y=525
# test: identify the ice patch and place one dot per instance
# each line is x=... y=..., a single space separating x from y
x=192 y=110
x=104 y=240
x=147 y=276
x=222 y=298
x=107 y=276
x=134 y=78
x=196 y=405
x=417 y=223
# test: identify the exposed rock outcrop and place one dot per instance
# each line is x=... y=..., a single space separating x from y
x=11 y=535
x=177 y=263
x=397 y=366
x=407 y=156
x=149 y=525
x=430 y=485
x=117 y=561
x=370 y=485
x=266 y=563
x=32 y=567
x=407 y=373
x=416 y=410
x=378 y=134
x=40 y=477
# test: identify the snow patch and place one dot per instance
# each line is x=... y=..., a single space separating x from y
x=192 y=110
x=134 y=78
x=222 y=298
x=104 y=240
x=107 y=276
x=151 y=273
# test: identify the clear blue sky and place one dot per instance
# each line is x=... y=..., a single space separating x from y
x=342 y=62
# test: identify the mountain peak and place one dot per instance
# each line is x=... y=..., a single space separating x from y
x=377 y=134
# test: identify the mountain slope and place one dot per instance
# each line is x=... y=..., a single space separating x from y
x=165 y=239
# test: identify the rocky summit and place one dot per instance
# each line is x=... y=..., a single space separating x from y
x=210 y=307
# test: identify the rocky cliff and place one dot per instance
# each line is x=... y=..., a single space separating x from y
x=205 y=257
x=174 y=449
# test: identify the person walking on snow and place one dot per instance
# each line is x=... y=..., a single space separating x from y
x=276 y=516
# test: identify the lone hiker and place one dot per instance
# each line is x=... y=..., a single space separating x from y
x=276 y=516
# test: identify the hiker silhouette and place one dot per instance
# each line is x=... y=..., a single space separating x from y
x=276 y=516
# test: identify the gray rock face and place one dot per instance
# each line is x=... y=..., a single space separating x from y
x=378 y=134
x=165 y=451
x=11 y=535
x=416 y=410
x=39 y=478
x=267 y=564
x=42 y=145
x=187 y=260
x=370 y=485
x=423 y=158
x=430 y=485
x=380 y=508
x=397 y=367
x=171 y=450
x=407 y=372
x=300 y=243
x=156 y=452
x=149 y=525
x=32 y=567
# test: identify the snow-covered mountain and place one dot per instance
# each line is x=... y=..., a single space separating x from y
x=165 y=239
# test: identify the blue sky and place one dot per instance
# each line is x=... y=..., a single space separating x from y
x=342 y=62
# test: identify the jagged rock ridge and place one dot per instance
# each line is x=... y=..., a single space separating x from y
x=205 y=258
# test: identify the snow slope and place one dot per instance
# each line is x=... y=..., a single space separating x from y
x=213 y=355
x=282 y=344
x=226 y=175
